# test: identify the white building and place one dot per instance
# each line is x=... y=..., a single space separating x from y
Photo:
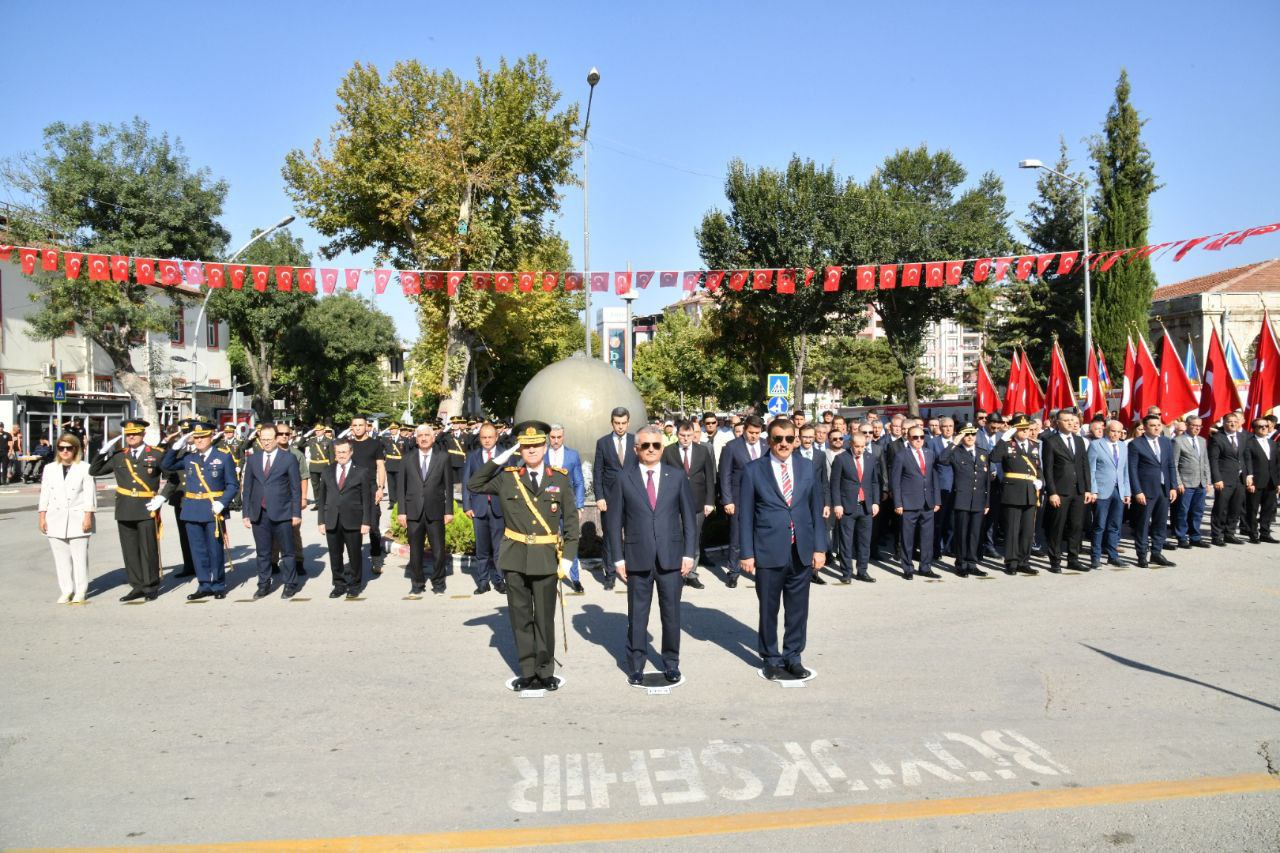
x=951 y=351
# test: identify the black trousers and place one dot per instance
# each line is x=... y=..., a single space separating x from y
x=607 y=566
x=855 y=542
x=1228 y=507
x=422 y=531
x=375 y=531
x=1150 y=523
x=317 y=486
x=393 y=480
x=141 y=554
x=966 y=537
x=489 y=533
x=1260 y=511
x=916 y=526
x=1019 y=528
x=993 y=521
x=735 y=552
x=1064 y=526
x=943 y=523
x=787 y=586
x=347 y=573
x=531 y=604
x=188 y=564
x=639 y=600
x=267 y=536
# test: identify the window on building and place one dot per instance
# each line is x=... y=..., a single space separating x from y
x=178 y=333
x=70 y=379
x=211 y=333
x=102 y=383
x=215 y=383
x=2 y=391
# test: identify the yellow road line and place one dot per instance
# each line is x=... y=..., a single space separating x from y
x=731 y=824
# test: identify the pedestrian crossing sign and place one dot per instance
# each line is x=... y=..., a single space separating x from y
x=779 y=385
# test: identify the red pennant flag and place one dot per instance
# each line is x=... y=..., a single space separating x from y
x=306 y=279
x=934 y=276
x=352 y=278
x=1254 y=232
x=328 y=279
x=599 y=282
x=261 y=276
x=1023 y=270
x=119 y=267
x=1060 y=395
x=911 y=275
x=284 y=278
x=525 y=282
x=1218 y=243
x=99 y=268
x=481 y=280
x=453 y=281
x=1218 y=394
x=169 y=272
x=1264 y=381
x=236 y=272
x=888 y=276
x=49 y=260
x=72 y=263
x=981 y=269
x=1095 y=401
x=986 y=399
x=1001 y=269
x=643 y=279
x=550 y=279
x=193 y=272
x=433 y=281
x=831 y=279
x=1067 y=262
x=410 y=282
x=955 y=272
x=786 y=281
x=28 y=258
x=381 y=278
x=808 y=276
x=1130 y=377
x=691 y=281
x=144 y=270
x=572 y=281
x=1042 y=263
x=1148 y=251
x=1013 y=387
x=761 y=279
x=622 y=282
x=1094 y=258
x=502 y=282
x=1111 y=261
x=1176 y=397
x=737 y=279
x=714 y=277
x=215 y=274
x=865 y=277
x=5 y=252
x=668 y=279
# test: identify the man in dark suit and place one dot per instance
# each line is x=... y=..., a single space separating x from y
x=822 y=467
x=1067 y=487
x=942 y=520
x=272 y=505
x=653 y=534
x=855 y=501
x=344 y=505
x=915 y=500
x=485 y=512
x=1154 y=481
x=698 y=463
x=426 y=506
x=736 y=456
x=970 y=483
x=614 y=452
x=1261 y=479
x=1020 y=482
x=1226 y=468
x=783 y=541
x=989 y=431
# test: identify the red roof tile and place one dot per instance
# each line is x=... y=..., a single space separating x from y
x=1263 y=276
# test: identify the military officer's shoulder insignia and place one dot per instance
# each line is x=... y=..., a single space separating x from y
x=564 y=471
x=982 y=456
x=513 y=468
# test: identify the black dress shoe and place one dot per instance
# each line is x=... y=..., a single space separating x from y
x=1055 y=568
x=817 y=578
x=977 y=572
x=1234 y=540
x=906 y=576
x=1095 y=564
x=1162 y=560
x=1115 y=561
x=672 y=676
x=1143 y=563
x=1254 y=540
x=549 y=683
x=773 y=673
x=261 y=592
x=846 y=579
x=1271 y=540
x=609 y=582
x=1027 y=570
x=576 y=586
x=635 y=679
x=500 y=587
x=151 y=596
x=417 y=590
x=218 y=596
x=929 y=573
x=693 y=581
x=1182 y=543
x=797 y=670
x=289 y=592
x=731 y=581
x=1077 y=567
x=1200 y=543
x=199 y=594
x=525 y=682
x=1170 y=545
x=1221 y=543
x=481 y=590
x=337 y=593
x=133 y=595
x=866 y=578
x=437 y=589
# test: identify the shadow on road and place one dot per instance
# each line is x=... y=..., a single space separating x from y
x=1148 y=668
x=499 y=624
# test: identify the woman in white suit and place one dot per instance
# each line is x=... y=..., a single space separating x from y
x=68 y=501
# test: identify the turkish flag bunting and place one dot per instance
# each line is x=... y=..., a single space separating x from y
x=502 y=282
x=1095 y=259
x=761 y=279
x=981 y=269
x=193 y=272
x=622 y=282
x=237 y=273
x=668 y=279
x=411 y=282
x=28 y=258
x=352 y=278
x=1264 y=381
x=1111 y=261
x=865 y=277
x=786 y=281
x=888 y=276
x=306 y=277
x=72 y=263
x=170 y=273
x=119 y=267
x=261 y=277
x=99 y=268
x=809 y=273
x=1147 y=251
x=934 y=276
x=643 y=279
x=714 y=277
x=911 y=275
x=5 y=252
x=1001 y=269
x=144 y=270
x=737 y=279
x=1042 y=263
x=524 y=281
x=328 y=279
x=831 y=279
x=1218 y=393
x=955 y=272
x=986 y=400
x=1217 y=243
x=480 y=280
x=1067 y=262
x=1023 y=269
x=453 y=281
x=1187 y=246
x=572 y=281
x=691 y=281
x=599 y=282
x=49 y=260
x=1013 y=387
x=284 y=278
x=1176 y=397
x=1254 y=232
x=215 y=274
x=433 y=281
x=550 y=280
x=381 y=278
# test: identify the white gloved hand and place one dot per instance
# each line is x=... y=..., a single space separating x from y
x=502 y=457
x=217 y=507
x=181 y=442
x=562 y=571
x=1007 y=435
x=155 y=503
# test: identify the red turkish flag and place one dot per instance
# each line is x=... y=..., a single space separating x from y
x=888 y=276
x=1067 y=262
x=1001 y=269
x=1012 y=387
x=72 y=261
x=714 y=277
x=622 y=282
x=1042 y=263
x=1264 y=381
x=808 y=276
x=786 y=281
x=911 y=275
x=381 y=278
x=643 y=279
x=599 y=282
x=981 y=268
x=215 y=274
x=481 y=280
x=1032 y=396
x=550 y=279
x=1023 y=270
x=955 y=272
x=1128 y=380
x=1060 y=395
x=261 y=277
x=1218 y=394
x=284 y=278
x=1111 y=261
x=502 y=282
x=934 y=275
x=352 y=278
x=737 y=279
x=572 y=281
x=1217 y=243
x=1256 y=231
x=410 y=282
x=144 y=270
x=119 y=267
x=525 y=281
x=691 y=281
x=1147 y=251
x=865 y=277
x=169 y=272
x=761 y=279
x=1176 y=397
x=1095 y=401
x=831 y=279
x=28 y=258
x=986 y=399
x=668 y=279
x=1095 y=259
x=433 y=281
x=236 y=272
x=1146 y=388
x=193 y=272
x=99 y=268
x=5 y=252
x=49 y=260
x=328 y=279
x=306 y=279
x=453 y=281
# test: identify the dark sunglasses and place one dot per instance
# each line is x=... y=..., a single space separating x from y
x=836 y=438
x=66 y=447
x=782 y=439
x=917 y=438
x=649 y=445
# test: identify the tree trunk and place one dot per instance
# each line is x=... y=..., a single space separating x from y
x=260 y=374
x=457 y=342
x=913 y=402
x=801 y=358
x=141 y=390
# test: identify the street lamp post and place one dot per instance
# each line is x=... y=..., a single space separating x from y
x=593 y=77
x=629 y=345
x=1084 y=258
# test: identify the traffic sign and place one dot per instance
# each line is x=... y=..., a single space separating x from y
x=60 y=391
x=779 y=385
x=777 y=405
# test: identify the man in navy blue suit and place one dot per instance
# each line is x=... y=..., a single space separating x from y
x=614 y=452
x=485 y=512
x=272 y=505
x=915 y=499
x=1154 y=482
x=653 y=536
x=735 y=457
x=783 y=541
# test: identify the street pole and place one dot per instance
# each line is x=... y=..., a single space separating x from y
x=593 y=77
x=1084 y=209
x=628 y=346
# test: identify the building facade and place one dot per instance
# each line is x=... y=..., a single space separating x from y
x=1231 y=300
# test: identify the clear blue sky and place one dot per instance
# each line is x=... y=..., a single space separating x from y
x=687 y=86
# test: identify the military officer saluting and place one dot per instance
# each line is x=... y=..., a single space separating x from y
x=209 y=484
x=971 y=490
x=393 y=455
x=457 y=442
x=141 y=490
x=1020 y=481
x=534 y=554
x=319 y=454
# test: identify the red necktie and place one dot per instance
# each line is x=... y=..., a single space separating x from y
x=686 y=460
x=342 y=478
x=652 y=490
x=858 y=462
x=920 y=459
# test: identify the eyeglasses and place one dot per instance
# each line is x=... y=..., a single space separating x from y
x=782 y=439
x=917 y=438
x=649 y=445
x=66 y=448
x=864 y=432
x=283 y=434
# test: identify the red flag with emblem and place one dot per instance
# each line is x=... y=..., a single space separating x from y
x=888 y=276
x=193 y=272
x=1146 y=387
x=119 y=267
x=99 y=268
x=352 y=278
x=550 y=279
x=72 y=261
x=236 y=272
x=216 y=275
x=737 y=279
x=786 y=281
x=381 y=278
x=1111 y=260
x=1254 y=232
x=1013 y=387
x=1023 y=269
x=481 y=280
x=643 y=279
x=691 y=281
x=572 y=281
x=1218 y=393
x=955 y=272
x=934 y=275
x=524 y=281
x=599 y=282
x=1095 y=259
x=410 y=282
x=49 y=260
x=1218 y=242
x=981 y=269
x=911 y=275
x=144 y=270
x=453 y=281
x=502 y=282
x=714 y=277
x=328 y=279
x=865 y=277
x=306 y=278
x=668 y=279
x=1001 y=269
x=284 y=278
x=1129 y=379
x=1067 y=262
x=433 y=280
x=261 y=276
x=1176 y=397
x=831 y=278
x=622 y=282
x=986 y=398
x=169 y=272
x=808 y=276
x=1264 y=381
x=28 y=259
x=1060 y=395
x=1032 y=396
x=5 y=251
x=1042 y=263
x=1095 y=401
x=761 y=279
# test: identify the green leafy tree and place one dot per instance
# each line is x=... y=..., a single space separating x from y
x=1126 y=179
x=115 y=189
x=863 y=370
x=336 y=354
x=259 y=321
x=434 y=171
x=674 y=370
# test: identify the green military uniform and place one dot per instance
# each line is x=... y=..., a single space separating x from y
x=456 y=443
x=319 y=456
x=1020 y=481
x=392 y=456
x=532 y=554
x=138 y=480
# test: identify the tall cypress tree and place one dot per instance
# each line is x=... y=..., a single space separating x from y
x=1126 y=179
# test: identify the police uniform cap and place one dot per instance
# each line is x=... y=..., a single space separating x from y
x=457 y=419
x=135 y=426
x=202 y=429
x=531 y=433
x=968 y=429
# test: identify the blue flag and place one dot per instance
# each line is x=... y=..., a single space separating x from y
x=1189 y=362
x=1234 y=365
